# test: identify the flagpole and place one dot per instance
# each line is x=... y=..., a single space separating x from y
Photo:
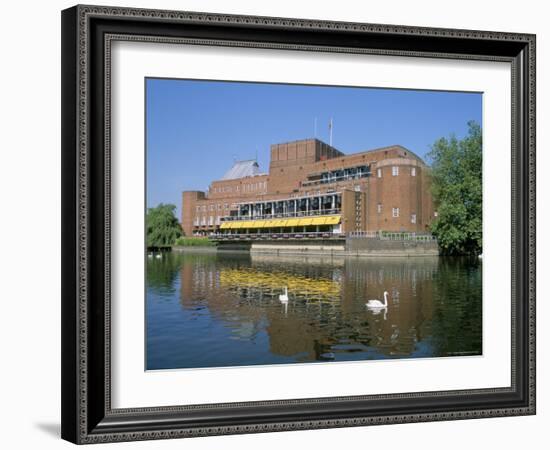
x=330 y=129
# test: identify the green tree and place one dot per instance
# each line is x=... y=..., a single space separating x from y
x=457 y=191
x=162 y=226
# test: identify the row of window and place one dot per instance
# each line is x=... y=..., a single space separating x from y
x=349 y=173
x=248 y=187
x=213 y=207
x=292 y=206
x=395 y=171
x=395 y=212
x=206 y=221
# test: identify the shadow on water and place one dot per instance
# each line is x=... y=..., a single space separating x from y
x=214 y=310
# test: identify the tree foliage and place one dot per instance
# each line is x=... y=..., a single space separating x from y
x=457 y=191
x=163 y=227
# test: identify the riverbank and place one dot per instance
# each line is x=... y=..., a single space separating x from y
x=194 y=249
x=350 y=247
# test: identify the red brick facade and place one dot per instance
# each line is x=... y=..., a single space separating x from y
x=383 y=189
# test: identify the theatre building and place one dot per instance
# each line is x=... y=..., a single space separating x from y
x=311 y=187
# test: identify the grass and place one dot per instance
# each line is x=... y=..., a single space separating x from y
x=194 y=242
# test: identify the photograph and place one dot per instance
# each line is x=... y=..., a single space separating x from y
x=280 y=220
x=299 y=224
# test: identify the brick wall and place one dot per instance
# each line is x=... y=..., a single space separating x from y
x=293 y=162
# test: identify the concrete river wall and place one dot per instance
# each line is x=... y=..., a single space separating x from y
x=340 y=247
x=382 y=247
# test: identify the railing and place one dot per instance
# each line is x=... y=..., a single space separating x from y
x=335 y=179
x=275 y=236
x=393 y=236
x=363 y=234
x=324 y=212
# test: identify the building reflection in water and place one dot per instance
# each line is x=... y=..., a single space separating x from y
x=326 y=317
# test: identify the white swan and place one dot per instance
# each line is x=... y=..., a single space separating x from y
x=159 y=255
x=283 y=298
x=377 y=304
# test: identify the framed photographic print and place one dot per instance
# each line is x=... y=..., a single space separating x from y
x=279 y=224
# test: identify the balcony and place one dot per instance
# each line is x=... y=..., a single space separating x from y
x=335 y=176
x=288 y=215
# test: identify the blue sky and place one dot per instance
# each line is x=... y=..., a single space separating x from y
x=195 y=129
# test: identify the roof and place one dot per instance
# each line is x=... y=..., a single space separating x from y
x=405 y=149
x=242 y=169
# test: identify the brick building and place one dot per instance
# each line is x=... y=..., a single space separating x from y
x=313 y=187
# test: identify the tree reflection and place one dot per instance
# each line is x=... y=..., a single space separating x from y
x=457 y=318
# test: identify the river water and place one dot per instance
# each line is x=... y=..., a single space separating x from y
x=219 y=310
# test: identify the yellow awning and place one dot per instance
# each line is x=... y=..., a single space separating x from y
x=318 y=221
x=263 y=223
x=332 y=220
x=243 y=224
x=276 y=223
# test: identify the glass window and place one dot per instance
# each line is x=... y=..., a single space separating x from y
x=395 y=171
x=379 y=173
x=413 y=172
x=413 y=218
x=379 y=208
x=395 y=212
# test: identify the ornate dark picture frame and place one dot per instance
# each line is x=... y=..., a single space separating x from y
x=87 y=33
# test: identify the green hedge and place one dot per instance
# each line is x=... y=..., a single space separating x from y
x=194 y=242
